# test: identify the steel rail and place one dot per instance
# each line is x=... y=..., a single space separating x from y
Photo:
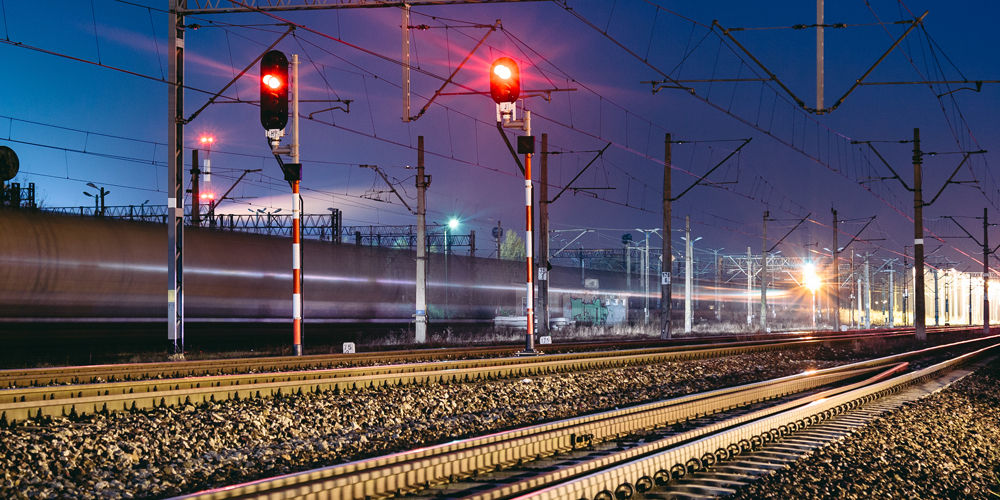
x=143 y=371
x=26 y=377
x=42 y=393
x=407 y=471
x=93 y=398
x=177 y=369
x=744 y=433
x=76 y=401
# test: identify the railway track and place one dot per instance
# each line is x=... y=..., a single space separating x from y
x=23 y=377
x=19 y=404
x=617 y=454
x=77 y=400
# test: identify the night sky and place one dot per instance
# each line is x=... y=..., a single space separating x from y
x=72 y=122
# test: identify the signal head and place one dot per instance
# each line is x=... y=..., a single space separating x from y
x=505 y=80
x=274 y=90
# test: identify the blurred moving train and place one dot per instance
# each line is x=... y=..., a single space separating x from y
x=73 y=268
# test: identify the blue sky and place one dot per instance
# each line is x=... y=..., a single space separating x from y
x=72 y=122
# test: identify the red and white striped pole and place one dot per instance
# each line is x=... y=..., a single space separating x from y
x=296 y=272
x=529 y=241
x=296 y=214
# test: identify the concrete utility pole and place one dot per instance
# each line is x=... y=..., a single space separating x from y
x=628 y=268
x=405 y=25
x=937 y=319
x=986 y=273
x=868 y=294
x=906 y=289
x=543 y=240
x=666 y=308
x=175 y=178
x=947 y=298
x=860 y=304
x=763 y=277
x=749 y=287
x=645 y=278
x=836 y=274
x=688 y=270
x=892 y=296
x=718 y=276
x=423 y=182
x=819 y=54
x=919 y=310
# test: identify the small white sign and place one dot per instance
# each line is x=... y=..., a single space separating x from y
x=664 y=278
x=543 y=274
x=348 y=347
x=544 y=340
x=591 y=283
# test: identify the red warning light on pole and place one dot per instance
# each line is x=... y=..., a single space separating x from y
x=505 y=80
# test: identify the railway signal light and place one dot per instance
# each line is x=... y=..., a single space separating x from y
x=505 y=80
x=274 y=90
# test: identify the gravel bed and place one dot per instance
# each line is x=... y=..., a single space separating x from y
x=942 y=446
x=166 y=452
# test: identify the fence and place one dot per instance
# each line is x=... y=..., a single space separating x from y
x=323 y=227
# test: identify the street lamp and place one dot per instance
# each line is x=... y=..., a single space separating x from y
x=97 y=202
x=98 y=199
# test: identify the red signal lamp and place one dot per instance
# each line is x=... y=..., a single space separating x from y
x=272 y=81
x=505 y=80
